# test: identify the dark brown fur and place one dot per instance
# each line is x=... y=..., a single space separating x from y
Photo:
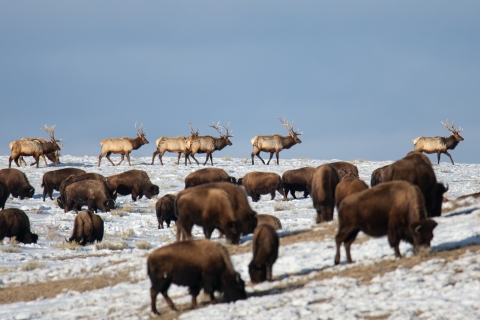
x=15 y=223
x=134 y=182
x=348 y=186
x=265 y=252
x=395 y=209
x=270 y=220
x=4 y=193
x=165 y=209
x=87 y=228
x=297 y=180
x=200 y=264
x=17 y=183
x=65 y=183
x=98 y=177
x=207 y=175
x=51 y=180
x=92 y=193
x=324 y=182
x=257 y=183
x=377 y=175
x=345 y=169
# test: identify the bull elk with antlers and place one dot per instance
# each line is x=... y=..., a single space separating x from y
x=34 y=147
x=275 y=143
x=123 y=146
x=208 y=144
x=53 y=156
x=438 y=144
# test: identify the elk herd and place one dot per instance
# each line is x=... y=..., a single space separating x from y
x=400 y=204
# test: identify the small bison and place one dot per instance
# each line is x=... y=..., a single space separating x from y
x=14 y=223
x=377 y=175
x=52 y=179
x=4 y=193
x=92 y=193
x=348 y=186
x=265 y=253
x=324 y=182
x=17 y=183
x=134 y=182
x=210 y=208
x=395 y=209
x=207 y=175
x=270 y=220
x=297 y=180
x=87 y=228
x=257 y=183
x=165 y=209
x=199 y=264
x=345 y=169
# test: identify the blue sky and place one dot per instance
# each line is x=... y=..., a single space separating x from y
x=361 y=79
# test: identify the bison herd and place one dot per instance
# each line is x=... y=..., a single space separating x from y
x=399 y=204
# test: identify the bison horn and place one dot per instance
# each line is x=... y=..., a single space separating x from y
x=417 y=229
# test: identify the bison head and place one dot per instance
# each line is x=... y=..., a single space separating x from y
x=30 y=238
x=258 y=272
x=154 y=190
x=233 y=287
x=423 y=233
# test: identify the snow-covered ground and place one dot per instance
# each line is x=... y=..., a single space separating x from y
x=434 y=289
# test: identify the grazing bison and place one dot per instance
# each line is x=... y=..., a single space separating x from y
x=348 y=186
x=14 y=223
x=265 y=253
x=98 y=177
x=17 y=183
x=92 y=193
x=134 y=182
x=65 y=183
x=377 y=175
x=345 y=169
x=207 y=175
x=324 y=182
x=165 y=209
x=270 y=220
x=4 y=193
x=200 y=264
x=257 y=183
x=417 y=169
x=87 y=228
x=51 y=180
x=210 y=208
x=395 y=209
x=297 y=180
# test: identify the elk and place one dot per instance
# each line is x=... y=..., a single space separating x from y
x=275 y=143
x=177 y=144
x=123 y=146
x=438 y=144
x=34 y=147
x=208 y=144
x=53 y=156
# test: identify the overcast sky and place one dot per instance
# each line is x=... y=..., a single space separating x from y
x=361 y=79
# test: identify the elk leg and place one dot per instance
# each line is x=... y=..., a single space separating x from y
x=154 y=154
x=178 y=159
x=191 y=155
x=23 y=161
x=271 y=156
x=276 y=153
x=122 y=156
x=448 y=154
x=108 y=157
x=258 y=155
x=211 y=159
x=37 y=160
x=438 y=156
x=100 y=158
x=128 y=159
x=45 y=160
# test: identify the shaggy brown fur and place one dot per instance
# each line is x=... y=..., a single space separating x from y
x=14 y=223
x=324 y=182
x=257 y=183
x=207 y=175
x=92 y=193
x=200 y=264
x=134 y=182
x=345 y=169
x=51 y=180
x=377 y=175
x=165 y=209
x=297 y=180
x=396 y=209
x=270 y=220
x=87 y=228
x=17 y=183
x=348 y=186
x=98 y=177
x=265 y=252
x=4 y=193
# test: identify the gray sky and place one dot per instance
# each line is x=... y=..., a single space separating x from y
x=361 y=79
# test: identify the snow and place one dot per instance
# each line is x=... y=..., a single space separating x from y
x=433 y=289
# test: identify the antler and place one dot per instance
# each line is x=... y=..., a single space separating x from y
x=289 y=127
x=451 y=129
x=140 y=130
x=50 y=131
x=193 y=132
x=216 y=127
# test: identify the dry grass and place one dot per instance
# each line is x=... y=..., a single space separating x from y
x=67 y=245
x=282 y=206
x=52 y=233
x=111 y=245
x=127 y=233
x=143 y=244
x=12 y=248
x=32 y=265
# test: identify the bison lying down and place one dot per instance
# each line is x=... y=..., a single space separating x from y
x=199 y=264
x=14 y=223
x=396 y=209
x=87 y=228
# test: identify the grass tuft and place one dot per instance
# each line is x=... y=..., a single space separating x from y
x=111 y=245
x=127 y=233
x=143 y=244
x=32 y=265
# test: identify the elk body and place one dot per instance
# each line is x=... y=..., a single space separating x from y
x=275 y=143
x=438 y=144
x=122 y=146
x=53 y=156
x=177 y=144
x=33 y=147
x=209 y=144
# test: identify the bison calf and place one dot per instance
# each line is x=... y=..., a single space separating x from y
x=396 y=209
x=14 y=223
x=165 y=209
x=207 y=175
x=258 y=183
x=87 y=228
x=348 y=186
x=324 y=182
x=17 y=183
x=200 y=264
x=265 y=253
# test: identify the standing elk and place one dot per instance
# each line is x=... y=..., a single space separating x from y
x=438 y=144
x=177 y=144
x=33 y=147
x=123 y=146
x=275 y=143
x=208 y=144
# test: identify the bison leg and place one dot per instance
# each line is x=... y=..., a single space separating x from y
x=448 y=154
x=282 y=192
x=160 y=223
x=272 y=194
x=169 y=301
x=347 y=236
x=271 y=156
x=269 y=272
x=108 y=157
x=394 y=241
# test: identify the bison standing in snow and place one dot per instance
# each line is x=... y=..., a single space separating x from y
x=87 y=228
x=345 y=169
x=17 y=183
x=324 y=182
x=348 y=186
x=378 y=175
x=165 y=209
x=52 y=179
x=297 y=180
x=134 y=182
x=92 y=193
x=14 y=223
x=265 y=253
x=207 y=175
x=257 y=183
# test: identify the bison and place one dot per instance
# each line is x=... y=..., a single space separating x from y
x=4 y=193
x=200 y=264
x=257 y=183
x=165 y=209
x=134 y=182
x=51 y=180
x=396 y=209
x=14 y=223
x=265 y=253
x=98 y=177
x=207 y=175
x=92 y=193
x=87 y=228
x=345 y=169
x=377 y=176
x=324 y=182
x=17 y=183
x=348 y=186
x=270 y=220
x=297 y=180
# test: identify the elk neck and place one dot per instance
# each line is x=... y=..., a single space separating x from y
x=136 y=142
x=288 y=142
x=221 y=143
x=451 y=142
